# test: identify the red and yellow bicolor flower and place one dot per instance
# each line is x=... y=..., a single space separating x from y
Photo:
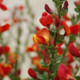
x=35 y=61
x=34 y=47
x=12 y=57
x=2 y=6
x=42 y=37
x=5 y=69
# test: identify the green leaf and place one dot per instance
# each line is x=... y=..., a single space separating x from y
x=61 y=27
x=51 y=49
x=77 y=77
x=42 y=46
x=55 y=67
x=58 y=58
x=1 y=59
x=59 y=41
x=40 y=77
x=52 y=31
x=43 y=64
x=45 y=74
x=72 y=37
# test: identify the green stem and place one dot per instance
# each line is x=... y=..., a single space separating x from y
x=55 y=42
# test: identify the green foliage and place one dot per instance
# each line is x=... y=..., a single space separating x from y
x=72 y=37
x=43 y=64
x=58 y=58
x=63 y=11
x=55 y=66
x=42 y=46
x=59 y=41
x=56 y=2
x=43 y=76
x=51 y=49
x=53 y=31
x=77 y=9
x=77 y=77
x=1 y=59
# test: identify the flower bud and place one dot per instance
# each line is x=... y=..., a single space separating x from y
x=48 y=10
x=65 y=4
x=32 y=73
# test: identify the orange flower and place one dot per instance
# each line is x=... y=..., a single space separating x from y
x=65 y=17
x=15 y=20
x=5 y=69
x=46 y=20
x=2 y=6
x=35 y=61
x=4 y=28
x=65 y=27
x=42 y=37
x=12 y=58
x=34 y=47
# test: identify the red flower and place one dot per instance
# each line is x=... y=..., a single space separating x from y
x=6 y=49
x=70 y=66
x=32 y=73
x=74 y=50
x=4 y=28
x=42 y=37
x=56 y=21
x=12 y=57
x=79 y=28
x=37 y=29
x=46 y=19
x=59 y=49
x=70 y=58
x=74 y=29
x=64 y=73
x=77 y=3
x=1 y=50
x=34 y=47
x=2 y=6
x=65 y=17
x=21 y=7
x=65 y=27
x=5 y=69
